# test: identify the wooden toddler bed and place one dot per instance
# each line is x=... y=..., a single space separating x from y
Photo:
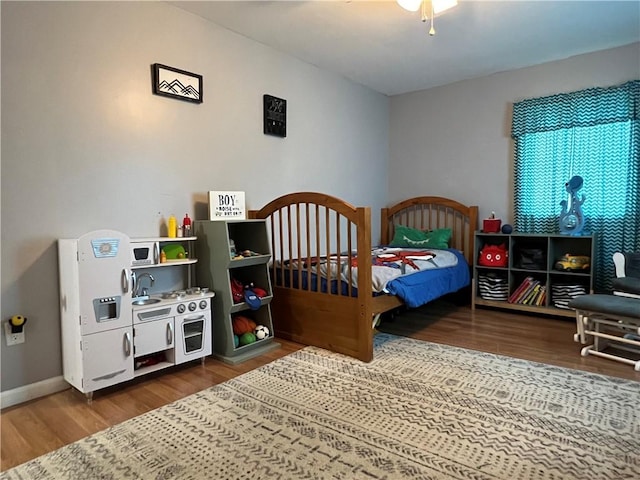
x=335 y=310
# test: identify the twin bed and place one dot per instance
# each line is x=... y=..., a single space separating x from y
x=321 y=294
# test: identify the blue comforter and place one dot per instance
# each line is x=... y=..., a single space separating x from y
x=427 y=285
x=414 y=289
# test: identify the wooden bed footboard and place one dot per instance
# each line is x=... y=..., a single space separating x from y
x=306 y=229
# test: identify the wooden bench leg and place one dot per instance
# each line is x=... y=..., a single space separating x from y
x=589 y=350
x=626 y=342
x=582 y=321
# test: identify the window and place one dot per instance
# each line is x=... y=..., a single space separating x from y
x=592 y=133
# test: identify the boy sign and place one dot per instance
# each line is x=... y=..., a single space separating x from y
x=226 y=206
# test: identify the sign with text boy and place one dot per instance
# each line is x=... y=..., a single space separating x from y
x=226 y=206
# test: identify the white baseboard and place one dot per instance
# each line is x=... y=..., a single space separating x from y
x=31 y=391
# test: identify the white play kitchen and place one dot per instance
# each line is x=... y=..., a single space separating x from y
x=113 y=329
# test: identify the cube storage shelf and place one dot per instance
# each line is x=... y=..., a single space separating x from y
x=553 y=247
x=216 y=268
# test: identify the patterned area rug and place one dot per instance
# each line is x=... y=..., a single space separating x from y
x=418 y=411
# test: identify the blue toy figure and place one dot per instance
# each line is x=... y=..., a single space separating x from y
x=571 y=217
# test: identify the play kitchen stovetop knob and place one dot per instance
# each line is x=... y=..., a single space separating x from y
x=203 y=304
x=181 y=308
x=192 y=306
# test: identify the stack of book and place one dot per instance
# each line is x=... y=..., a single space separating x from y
x=530 y=292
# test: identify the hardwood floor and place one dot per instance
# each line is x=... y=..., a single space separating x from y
x=43 y=425
x=541 y=339
x=33 y=428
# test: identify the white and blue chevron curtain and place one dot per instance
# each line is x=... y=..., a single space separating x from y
x=593 y=133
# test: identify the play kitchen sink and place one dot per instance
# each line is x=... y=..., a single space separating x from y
x=146 y=301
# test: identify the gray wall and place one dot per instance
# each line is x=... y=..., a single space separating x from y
x=454 y=140
x=86 y=145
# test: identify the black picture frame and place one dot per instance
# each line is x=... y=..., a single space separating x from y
x=175 y=83
x=274 y=116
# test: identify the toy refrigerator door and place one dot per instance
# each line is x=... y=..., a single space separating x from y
x=107 y=358
x=104 y=262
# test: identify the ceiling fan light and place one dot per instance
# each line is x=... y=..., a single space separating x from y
x=411 y=5
x=442 y=5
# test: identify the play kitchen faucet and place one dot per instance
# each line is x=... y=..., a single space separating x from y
x=138 y=289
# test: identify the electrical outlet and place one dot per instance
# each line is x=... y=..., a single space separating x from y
x=12 y=338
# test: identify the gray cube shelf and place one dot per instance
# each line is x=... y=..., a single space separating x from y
x=553 y=247
x=216 y=268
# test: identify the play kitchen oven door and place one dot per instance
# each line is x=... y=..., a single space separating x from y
x=193 y=336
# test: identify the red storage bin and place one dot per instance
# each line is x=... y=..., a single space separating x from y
x=491 y=225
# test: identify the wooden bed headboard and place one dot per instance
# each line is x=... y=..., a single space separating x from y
x=430 y=213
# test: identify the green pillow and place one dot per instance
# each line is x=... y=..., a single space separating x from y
x=413 y=238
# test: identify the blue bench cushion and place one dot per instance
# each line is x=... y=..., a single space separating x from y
x=626 y=284
x=612 y=304
x=632 y=265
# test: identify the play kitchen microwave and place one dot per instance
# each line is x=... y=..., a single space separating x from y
x=145 y=253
